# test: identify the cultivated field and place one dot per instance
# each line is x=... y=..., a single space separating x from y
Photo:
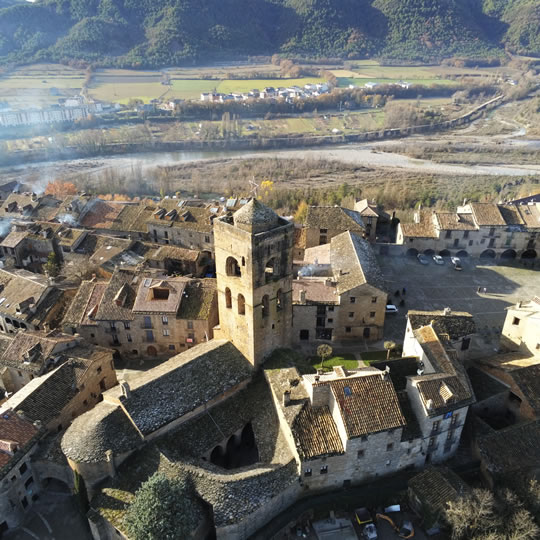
x=40 y=85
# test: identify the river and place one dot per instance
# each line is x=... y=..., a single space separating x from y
x=366 y=154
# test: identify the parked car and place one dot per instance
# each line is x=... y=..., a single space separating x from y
x=422 y=259
x=390 y=308
x=370 y=532
x=457 y=263
x=438 y=259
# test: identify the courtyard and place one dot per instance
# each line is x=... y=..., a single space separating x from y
x=483 y=288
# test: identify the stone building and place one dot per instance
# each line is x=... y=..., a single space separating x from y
x=144 y=314
x=441 y=393
x=322 y=223
x=475 y=229
x=31 y=354
x=18 y=441
x=377 y=222
x=253 y=252
x=75 y=384
x=30 y=244
x=521 y=330
x=172 y=222
x=457 y=327
x=28 y=301
x=251 y=445
x=345 y=298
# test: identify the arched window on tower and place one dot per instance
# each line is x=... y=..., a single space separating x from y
x=270 y=271
x=279 y=300
x=232 y=268
x=228 y=298
x=241 y=304
x=265 y=306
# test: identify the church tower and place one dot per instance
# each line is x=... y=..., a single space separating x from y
x=253 y=251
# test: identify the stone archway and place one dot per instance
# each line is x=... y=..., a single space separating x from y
x=445 y=253
x=462 y=253
x=529 y=254
x=151 y=351
x=412 y=252
x=429 y=252
x=487 y=254
x=509 y=254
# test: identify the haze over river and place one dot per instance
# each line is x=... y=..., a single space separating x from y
x=366 y=154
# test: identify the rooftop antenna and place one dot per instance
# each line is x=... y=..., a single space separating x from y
x=254 y=187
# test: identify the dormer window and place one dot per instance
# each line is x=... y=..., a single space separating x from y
x=160 y=293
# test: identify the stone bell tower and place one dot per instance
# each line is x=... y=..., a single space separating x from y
x=253 y=251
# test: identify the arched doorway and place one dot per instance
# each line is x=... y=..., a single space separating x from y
x=487 y=254
x=412 y=252
x=462 y=253
x=151 y=351
x=529 y=254
x=509 y=254
x=429 y=252
x=444 y=253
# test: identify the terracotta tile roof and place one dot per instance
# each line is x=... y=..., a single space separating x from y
x=16 y=432
x=456 y=324
x=334 y=217
x=436 y=487
x=317 y=290
x=368 y=404
x=31 y=351
x=186 y=217
x=449 y=387
x=123 y=282
x=316 y=433
x=88 y=296
x=455 y=222
x=174 y=253
x=148 y=299
x=354 y=263
x=511 y=449
x=424 y=229
x=203 y=372
x=530 y=213
x=100 y=214
x=487 y=215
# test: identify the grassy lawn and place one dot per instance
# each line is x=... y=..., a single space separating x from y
x=373 y=356
x=191 y=88
x=348 y=361
x=284 y=358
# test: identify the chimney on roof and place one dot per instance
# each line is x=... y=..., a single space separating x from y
x=286 y=398
x=126 y=392
x=429 y=405
x=20 y=414
x=302 y=296
x=328 y=282
x=447 y=311
x=417 y=217
x=520 y=304
x=34 y=196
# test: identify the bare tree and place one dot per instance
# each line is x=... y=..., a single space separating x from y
x=389 y=346
x=323 y=352
x=79 y=269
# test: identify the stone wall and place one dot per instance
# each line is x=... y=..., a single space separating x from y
x=163 y=233
x=254 y=331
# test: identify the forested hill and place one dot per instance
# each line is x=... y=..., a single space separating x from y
x=153 y=33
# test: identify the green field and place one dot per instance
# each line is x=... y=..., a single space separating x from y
x=245 y=85
x=344 y=82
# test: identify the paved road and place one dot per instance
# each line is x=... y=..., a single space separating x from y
x=435 y=287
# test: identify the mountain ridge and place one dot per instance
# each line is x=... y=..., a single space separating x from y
x=157 y=33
